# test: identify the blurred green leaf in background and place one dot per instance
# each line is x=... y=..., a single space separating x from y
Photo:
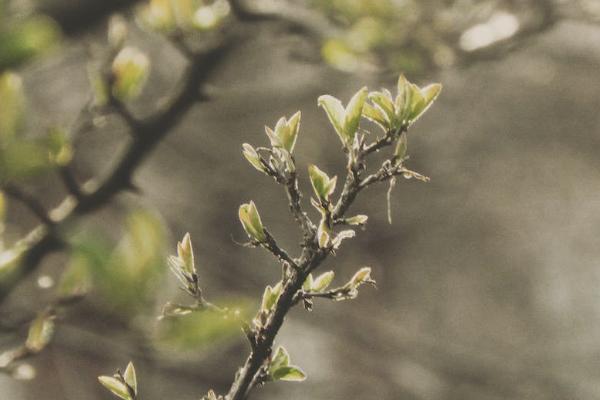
x=125 y=279
x=24 y=36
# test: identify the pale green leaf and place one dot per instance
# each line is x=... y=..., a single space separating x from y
x=130 y=377
x=115 y=386
x=361 y=276
x=40 y=332
x=376 y=115
x=383 y=103
x=185 y=252
x=252 y=156
x=290 y=373
x=251 y=222
x=353 y=113
x=323 y=281
x=336 y=114
x=130 y=69
x=280 y=359
x=428 y=94
x=322 y=185
x=308 y=283
x=290 y=135
x=357 y=220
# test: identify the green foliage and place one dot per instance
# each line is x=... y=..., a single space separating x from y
x=202 y=330
x=124 y=385
x=130 y=70
x=40 y=332
x=115 y=386
x=251 y=222
x=125 y=278
x=323 y=186
x=319 y=283
x=415 y=36
x=285 y=133
x=270 y=297
x=21 y=157
x=173 y=16
x=281 y=370
x=253 y=157
x=344 y=120
x=409 y=104
x=24 y=38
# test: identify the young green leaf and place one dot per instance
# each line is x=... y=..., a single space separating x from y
x=361 y=276
x=403 y=98
x=336 y=114
x=308 y=283
x=323 y=281
x=40 y=332
x=281 y=370
x=376 y=115
x=185 y=252
x=288 y=131
x=115 y=386
x=130 y=377
x=270 y=297
x=130 y=69
x=428 y=95
x=251 y=222
x=290 y=373
x=324 y=234
x=357 y=220
x=280 y=359
x=253 y=157
x=347 y=234
x=321 y=183
x=353 y=113
x=383 y=104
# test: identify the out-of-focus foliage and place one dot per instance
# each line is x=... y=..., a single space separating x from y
x=130 y=70
x=181 y=16
x=198 y=330
x=125 y=278
x=413 y=35
x=22 y=157
x=23 y=37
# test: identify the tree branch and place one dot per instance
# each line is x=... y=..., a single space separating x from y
x=312 y=256
x=294 y=197
x=147 y=134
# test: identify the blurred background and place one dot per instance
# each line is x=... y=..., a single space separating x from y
x=488 y=278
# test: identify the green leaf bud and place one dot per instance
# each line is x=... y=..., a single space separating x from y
x=323 y=281
x=115 y=386
x=40 y=332
x=130 y=69
x=322 y=185
x=251 y=222
x=130 y=377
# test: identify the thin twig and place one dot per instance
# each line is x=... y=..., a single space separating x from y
x=149 y=132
